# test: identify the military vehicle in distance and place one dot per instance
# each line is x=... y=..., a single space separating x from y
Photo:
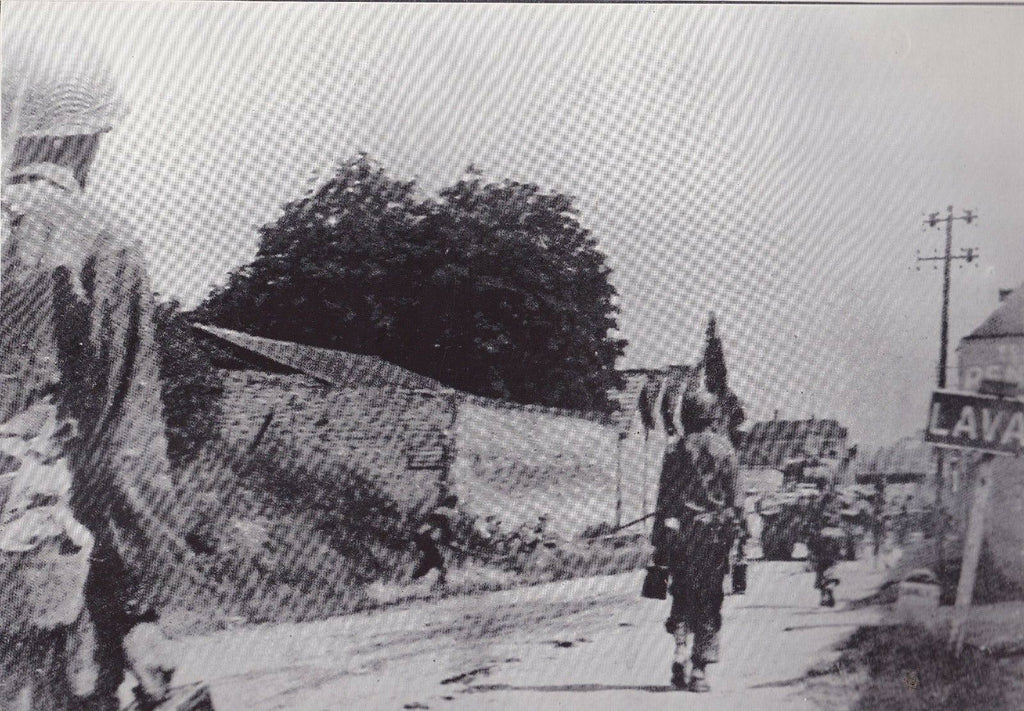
x=785 y=513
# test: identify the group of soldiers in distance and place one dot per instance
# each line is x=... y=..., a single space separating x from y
x=699 y=536
x=698 y=521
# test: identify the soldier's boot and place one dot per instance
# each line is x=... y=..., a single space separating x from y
x=699 y=680
x=682 y=663
x=680 y=677
x=705 y=651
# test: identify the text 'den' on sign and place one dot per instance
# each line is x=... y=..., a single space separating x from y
x=969 y=421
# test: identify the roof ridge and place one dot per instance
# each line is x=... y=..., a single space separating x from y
x=320 y=361
x=1006 y=320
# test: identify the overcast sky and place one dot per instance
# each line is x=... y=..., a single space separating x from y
x=772 y=164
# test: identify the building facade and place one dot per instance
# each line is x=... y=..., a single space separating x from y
x=992 y=356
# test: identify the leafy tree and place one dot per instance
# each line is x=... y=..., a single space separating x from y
x=492 y=288
x=325 y=273
x=190 y=386
x=716 y=380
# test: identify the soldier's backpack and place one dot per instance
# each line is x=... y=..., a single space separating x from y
x=44 y=551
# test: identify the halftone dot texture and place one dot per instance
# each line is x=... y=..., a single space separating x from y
x=767 y=164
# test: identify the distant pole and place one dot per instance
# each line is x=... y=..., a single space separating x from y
x=947 y=259
x=645 y=463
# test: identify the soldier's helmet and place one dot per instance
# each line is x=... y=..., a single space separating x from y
x=56 y=86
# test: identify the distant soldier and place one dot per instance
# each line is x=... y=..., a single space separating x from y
x=437 y=530
x=878 y=519
x=542 y=525
x=825 y=542
x=540 y=531
x=901 y=527
x=693 y=536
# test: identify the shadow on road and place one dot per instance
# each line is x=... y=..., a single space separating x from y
x=770 y=607
x=482 y=688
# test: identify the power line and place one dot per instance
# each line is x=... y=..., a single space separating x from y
x=968 y=255
x=947 y=258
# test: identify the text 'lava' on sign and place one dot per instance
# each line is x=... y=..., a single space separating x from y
x=976 y=422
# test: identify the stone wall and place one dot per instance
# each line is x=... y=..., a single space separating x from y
x=516 y=462
x=378 y=431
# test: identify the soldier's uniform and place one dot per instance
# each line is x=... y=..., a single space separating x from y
x=436 y=531
x=76 y=331
x=825 y=542
x=693 y=535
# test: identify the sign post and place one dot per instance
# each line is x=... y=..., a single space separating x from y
x=972 y=554
x=994 y=426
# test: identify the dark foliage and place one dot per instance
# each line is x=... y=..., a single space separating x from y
x=492 y=288
x=190 y=386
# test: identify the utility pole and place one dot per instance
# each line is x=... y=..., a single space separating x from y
x=968 y=255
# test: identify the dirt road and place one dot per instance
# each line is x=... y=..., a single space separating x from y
x=591 y=643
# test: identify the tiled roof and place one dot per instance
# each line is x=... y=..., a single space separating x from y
x=329 y=366
x=1007 y=320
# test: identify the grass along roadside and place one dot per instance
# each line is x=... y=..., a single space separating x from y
x=907 y=668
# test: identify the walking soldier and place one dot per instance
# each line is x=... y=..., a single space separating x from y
x=693 y=536
x=825 y=543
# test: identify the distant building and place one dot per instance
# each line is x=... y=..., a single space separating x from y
x=909 y=460
x=770 y=443
x=995 y=350
x=992 y=357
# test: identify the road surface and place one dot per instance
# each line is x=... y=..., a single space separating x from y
x=591 y=643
